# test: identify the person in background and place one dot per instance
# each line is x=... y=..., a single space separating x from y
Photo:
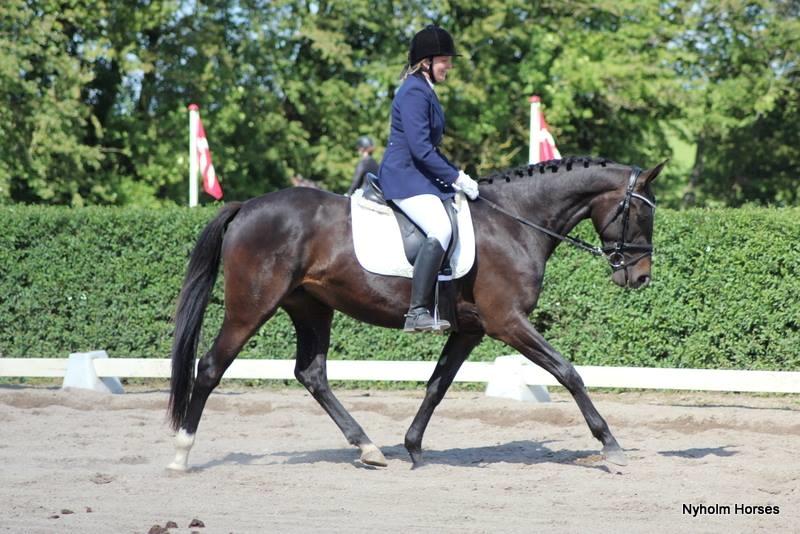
x=366 y=163
x=414 y=175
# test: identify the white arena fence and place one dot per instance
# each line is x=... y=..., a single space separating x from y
x=523 y=372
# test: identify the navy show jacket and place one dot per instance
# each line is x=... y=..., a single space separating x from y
x=412 y=164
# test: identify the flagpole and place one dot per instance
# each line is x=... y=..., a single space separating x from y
x=536 y=127
x=194 y=115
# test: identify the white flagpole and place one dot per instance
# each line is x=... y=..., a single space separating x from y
x=536 y=127
x=194 y=115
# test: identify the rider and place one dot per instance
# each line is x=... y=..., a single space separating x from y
x=414 y=174
x=366 y=163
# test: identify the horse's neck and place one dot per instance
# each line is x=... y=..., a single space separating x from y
x=558 y=201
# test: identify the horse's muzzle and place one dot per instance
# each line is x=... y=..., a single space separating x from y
x=634 y=276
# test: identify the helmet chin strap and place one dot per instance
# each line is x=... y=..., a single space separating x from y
x=430 y=72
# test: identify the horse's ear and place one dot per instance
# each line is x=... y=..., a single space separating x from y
x=650 y=174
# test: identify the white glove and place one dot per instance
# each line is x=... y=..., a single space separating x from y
x=466 y=184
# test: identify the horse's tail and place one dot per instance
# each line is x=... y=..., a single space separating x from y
x=200 y=278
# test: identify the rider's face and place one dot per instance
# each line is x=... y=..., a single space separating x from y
x=441 y=64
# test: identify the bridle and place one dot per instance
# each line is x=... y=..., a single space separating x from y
x=615 y=254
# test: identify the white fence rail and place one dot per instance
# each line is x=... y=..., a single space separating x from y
x=613 y=377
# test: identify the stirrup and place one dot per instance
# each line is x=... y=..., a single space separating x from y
x=420 y=320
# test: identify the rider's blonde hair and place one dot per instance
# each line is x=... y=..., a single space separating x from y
x=410 y=70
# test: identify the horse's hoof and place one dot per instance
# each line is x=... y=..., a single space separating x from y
x=416 y=459
x=178 y=467
x=372 y=455
x=615 y=455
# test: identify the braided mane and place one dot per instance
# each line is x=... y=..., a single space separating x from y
x=554 y=165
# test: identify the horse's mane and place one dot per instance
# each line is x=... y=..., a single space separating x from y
x=553 y=165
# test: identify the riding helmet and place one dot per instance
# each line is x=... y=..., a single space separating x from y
x=431 y=41
x=364 y=142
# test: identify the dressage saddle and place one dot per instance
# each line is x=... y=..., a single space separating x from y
x=413 y=236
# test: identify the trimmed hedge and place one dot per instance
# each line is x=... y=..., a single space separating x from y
x=724 y=293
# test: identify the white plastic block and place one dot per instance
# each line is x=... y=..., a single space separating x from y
x=507 y=380
x=82 y=375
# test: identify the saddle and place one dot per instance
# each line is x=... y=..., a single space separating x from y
x=412 y=235
x=458 y=258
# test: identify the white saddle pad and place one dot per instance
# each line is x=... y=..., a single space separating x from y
x=379 y=245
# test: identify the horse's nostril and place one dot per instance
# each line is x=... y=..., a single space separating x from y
x=643 y=280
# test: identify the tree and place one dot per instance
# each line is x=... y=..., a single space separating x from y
x=744 y=80
x=94 y=94
x=43 y=120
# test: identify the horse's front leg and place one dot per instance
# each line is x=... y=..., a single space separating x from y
x=455 y=351
x=517 y=332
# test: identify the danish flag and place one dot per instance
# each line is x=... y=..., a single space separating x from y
x=543 y=146
x=211 y=183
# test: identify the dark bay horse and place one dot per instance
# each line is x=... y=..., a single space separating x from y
x=293 y=249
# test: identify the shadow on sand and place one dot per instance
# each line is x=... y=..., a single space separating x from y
x=514 y=452
x=701 y=452
x=234 y=458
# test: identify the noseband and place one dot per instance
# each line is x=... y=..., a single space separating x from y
x=615 y=254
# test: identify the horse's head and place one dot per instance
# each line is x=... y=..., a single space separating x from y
x=624 y=221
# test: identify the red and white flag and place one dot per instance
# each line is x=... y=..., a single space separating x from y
x=210 y=180
x=542 y=144
x=200 y=159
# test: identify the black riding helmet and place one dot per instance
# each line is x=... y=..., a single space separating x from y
x=364 y=142
x=428 y=42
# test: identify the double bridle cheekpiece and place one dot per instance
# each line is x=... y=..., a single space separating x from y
x=615 y=254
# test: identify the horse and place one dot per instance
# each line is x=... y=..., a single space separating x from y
x=292 y=249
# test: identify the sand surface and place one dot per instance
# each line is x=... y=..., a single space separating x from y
x=270 y=460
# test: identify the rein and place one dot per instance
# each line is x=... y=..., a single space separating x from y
x=615 y=253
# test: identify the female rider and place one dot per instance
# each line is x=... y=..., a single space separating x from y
x=415 y=175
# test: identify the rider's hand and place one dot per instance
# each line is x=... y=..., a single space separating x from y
x=466 y=184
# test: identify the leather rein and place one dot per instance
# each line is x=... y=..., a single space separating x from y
x=615 y=254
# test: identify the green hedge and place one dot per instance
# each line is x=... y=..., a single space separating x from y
x=724 y=293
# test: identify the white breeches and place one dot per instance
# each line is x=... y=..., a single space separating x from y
x=427 y=212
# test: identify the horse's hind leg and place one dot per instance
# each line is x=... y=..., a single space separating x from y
x=312 y=321
x=245 y=312
x=210 y=368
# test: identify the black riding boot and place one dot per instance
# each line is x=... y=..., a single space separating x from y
x=426 y=269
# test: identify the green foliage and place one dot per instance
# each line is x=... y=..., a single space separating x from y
x=43 y=118
x=77 y=278
x=93 y=95
x=741 y=69
x=724 y=292
x=722 y=296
